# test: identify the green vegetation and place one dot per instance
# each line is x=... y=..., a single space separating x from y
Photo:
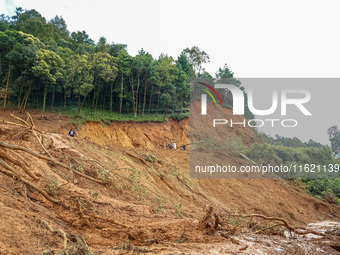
x=44 y=66
x=291 y=151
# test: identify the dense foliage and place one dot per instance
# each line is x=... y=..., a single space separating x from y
x=44 y=65
x=292 y=151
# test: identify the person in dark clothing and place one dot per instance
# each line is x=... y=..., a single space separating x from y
x=72 y=133
x=183 y=146
x=170 y=146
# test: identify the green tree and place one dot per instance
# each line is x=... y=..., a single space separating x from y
x=47 y=67
x=105 y=71
x=59 y=28
x=30 y=49
x=334 y=138
x=67 y=56
x=164 y=74
x=124 y=60
x=196 y=58
x=4 y=22
x=224 y=73
x=11 y=43
x=81 y=77
x=114 y=49
x=102 y=46
x=139 y=72
x=184 y=76
x=31 y=22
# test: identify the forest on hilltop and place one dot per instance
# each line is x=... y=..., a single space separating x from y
x=44 y=66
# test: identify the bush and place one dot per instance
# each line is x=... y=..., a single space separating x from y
x=263 y=154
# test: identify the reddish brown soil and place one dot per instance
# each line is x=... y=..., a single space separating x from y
x=150 y=195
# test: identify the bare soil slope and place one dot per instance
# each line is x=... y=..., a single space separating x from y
x=119 y=186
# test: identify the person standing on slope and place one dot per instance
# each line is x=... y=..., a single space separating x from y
x=175 y=145
x=72 y=133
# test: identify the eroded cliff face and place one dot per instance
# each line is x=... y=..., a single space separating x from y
x=147 y=135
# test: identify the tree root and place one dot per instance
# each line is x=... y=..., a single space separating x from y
x=32 y=127
x=59 y=231
x=31 y=119
x=9 y=171
x=285 y=224
x=4 y=155
x=264 y=229
x=35 y=134
x=14 y=147
x=21 y=120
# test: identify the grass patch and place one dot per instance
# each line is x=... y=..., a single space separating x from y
x=105 y=117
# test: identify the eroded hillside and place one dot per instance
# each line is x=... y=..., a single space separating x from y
x=119 y=186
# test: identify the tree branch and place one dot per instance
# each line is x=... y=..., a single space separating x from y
x=285 y=224
x=14 y=147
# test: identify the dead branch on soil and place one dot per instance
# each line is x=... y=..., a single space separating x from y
x=21 y=120
x=36 y=136
x=59 y=231
x=20 y=148
x=138 y=158
x=4 y=155
x=12 y=123
x=264 y=229
x=10 y=171
x=31 y=119
x=285 y=224
x=32 y=127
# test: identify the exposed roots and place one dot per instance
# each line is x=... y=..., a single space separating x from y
x=211 y=221
x=59 y=231
x=284 y=223
x=14 y=147
x=9 y=171
x=6 y=156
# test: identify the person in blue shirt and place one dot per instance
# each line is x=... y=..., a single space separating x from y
x=72 y=133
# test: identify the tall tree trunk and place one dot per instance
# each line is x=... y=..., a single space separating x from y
x=111 y=90
x=24 y=101
x=144 y=101
x=150 y=102
x=139 y=102
x=7 y=83
x=159 y=96
x=93 y=99
x=133 y=91
x=65 y=97
x=79 y=104
x=45 y=96
x=97 y=98
x=121 y=97
x=137 y=95
x=82 y=103
x=19 y=95
x=53 y=95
